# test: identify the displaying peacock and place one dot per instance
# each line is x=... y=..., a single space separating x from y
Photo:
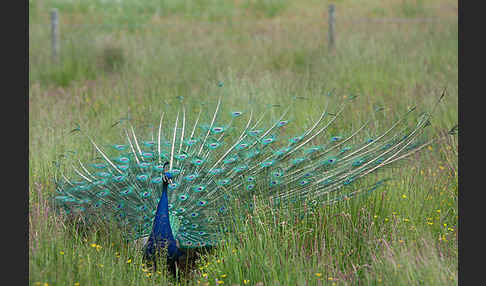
x=176 y=187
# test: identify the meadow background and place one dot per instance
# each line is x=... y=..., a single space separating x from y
x=137 y=57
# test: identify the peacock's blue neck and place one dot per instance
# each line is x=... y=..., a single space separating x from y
x=161 y=235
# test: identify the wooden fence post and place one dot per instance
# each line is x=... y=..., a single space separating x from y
x=55 y=35
x=332 y=20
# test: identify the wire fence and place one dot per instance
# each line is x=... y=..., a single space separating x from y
x=119 y=23
x=317 y=21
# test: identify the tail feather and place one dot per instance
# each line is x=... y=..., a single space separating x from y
x=215 y=164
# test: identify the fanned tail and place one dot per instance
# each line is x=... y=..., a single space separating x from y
x=213 y=164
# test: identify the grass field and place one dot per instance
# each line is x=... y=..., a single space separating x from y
x=137 y=57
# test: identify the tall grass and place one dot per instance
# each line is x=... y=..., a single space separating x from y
x=136 y=57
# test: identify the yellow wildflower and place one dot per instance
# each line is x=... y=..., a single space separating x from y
x=98 y=247
x=246 y=281
x=76 y=284
x=129 y=260
x=62 y=252
x=93 y=245
x=330 y=278
x=223 y=276
x=318 y=274
x=406 y=220
x=220 y=282
x=205 y=275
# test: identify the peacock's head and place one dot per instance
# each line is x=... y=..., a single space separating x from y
x=167 y=177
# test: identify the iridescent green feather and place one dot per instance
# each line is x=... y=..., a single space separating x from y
x=220 y=160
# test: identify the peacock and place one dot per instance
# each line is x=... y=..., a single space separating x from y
x=175 y=188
